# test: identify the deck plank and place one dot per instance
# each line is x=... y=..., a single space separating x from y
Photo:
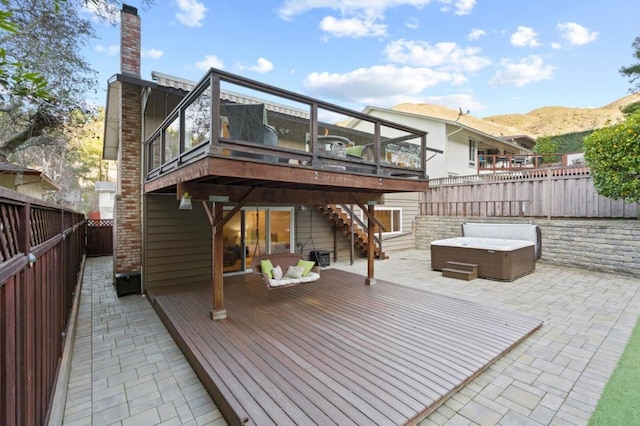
x=336 y=351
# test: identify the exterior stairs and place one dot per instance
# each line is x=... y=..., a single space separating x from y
x=460 y=271
x=340 y=217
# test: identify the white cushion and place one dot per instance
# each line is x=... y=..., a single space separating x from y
x=277 y=272
x=312 y=276
x=283 y=281
x=294 y=272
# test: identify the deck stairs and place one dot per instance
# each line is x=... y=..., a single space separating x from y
x=460 y=271
x=340 y=218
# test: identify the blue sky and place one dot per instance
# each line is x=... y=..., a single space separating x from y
x=489 y=57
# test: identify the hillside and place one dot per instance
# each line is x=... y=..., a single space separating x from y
x=545 y=121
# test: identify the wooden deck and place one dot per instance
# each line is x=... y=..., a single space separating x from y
x=335 y=351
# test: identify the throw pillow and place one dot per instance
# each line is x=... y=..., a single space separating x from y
x=306 y=266
x=277 y=272
x=267 y=267
x=355 y=150
x=294 y=272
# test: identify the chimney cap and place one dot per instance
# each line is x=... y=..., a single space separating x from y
x=129 y=9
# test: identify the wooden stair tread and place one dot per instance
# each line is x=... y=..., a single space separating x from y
x=459 y=274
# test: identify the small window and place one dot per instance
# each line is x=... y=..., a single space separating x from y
x=391 y=218
x=472 y=152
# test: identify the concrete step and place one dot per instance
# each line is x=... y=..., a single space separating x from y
x=459 y=274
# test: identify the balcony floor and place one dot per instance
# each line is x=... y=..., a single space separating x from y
x=277 y=182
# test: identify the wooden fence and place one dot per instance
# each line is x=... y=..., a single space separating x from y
x=99 y=237
x=550 y=193
x=41 y=250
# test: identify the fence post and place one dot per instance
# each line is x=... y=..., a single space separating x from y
x=549 y=193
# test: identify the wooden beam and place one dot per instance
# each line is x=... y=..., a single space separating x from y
x=371 y=244
x=218 y=311
x=210 y=168
x=275 y=196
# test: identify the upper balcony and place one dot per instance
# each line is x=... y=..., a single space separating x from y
x=232 y=131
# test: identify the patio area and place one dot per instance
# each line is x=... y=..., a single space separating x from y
x=554 y=377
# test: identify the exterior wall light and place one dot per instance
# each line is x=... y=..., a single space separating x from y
x=31 y=258
x=185 y=202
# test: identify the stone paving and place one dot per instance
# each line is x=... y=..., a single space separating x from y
x=127 y=370
x=556 y=376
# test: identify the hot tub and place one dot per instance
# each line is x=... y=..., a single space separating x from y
x=497 y=259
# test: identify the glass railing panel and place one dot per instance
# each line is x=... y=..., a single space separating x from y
x=197 y=120
x=399 y=148
x=172 y=140
x=343 y=136
x=251 y=115
x=155 y=159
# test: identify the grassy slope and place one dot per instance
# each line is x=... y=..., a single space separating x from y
x=620 y=401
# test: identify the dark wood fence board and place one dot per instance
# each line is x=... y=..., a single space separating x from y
x=35 y=301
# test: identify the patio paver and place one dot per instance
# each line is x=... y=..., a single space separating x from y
x=555 y=377
x=126 y=368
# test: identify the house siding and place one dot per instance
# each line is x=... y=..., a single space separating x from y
x=177 y=243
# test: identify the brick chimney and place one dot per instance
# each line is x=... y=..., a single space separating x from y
x=129 y=41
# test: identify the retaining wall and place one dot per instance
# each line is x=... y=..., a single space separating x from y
x=604 y=245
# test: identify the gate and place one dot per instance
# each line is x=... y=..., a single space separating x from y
x=99 y=237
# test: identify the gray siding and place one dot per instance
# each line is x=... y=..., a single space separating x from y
x=177 y=243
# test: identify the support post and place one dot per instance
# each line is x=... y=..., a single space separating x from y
x=217 y=311
x=370 y=245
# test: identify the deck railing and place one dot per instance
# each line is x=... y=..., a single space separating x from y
x=497 y=163
x=263 y=123
x=41 y=249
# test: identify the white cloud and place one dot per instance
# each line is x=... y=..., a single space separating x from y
x=190 y=12
x=556 y=45
x=209 y=61
x=525 y=37
x=527 y=70
x=152 y=53
x=476 y=33
x=262 y=66
x=358 y=18
x=111 y=50
x=576 y=34
x=353 y=27
x=378 y=85
x=412 y=23
x=464 y=7
x=447 y=56
x=102 y=12
x=461 y=100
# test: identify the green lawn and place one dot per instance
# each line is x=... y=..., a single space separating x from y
x=620 y=401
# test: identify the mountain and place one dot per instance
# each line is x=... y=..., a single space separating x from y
x=545 y=121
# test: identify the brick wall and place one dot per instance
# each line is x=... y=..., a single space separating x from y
x=130 y=41
x=128 y=212
x=604 y=245
x=128 y=207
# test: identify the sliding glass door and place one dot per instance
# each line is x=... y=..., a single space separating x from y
x=255 y=231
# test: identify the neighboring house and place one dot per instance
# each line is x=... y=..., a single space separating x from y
x=466 y=150
x=26 y=181
x=106 y=196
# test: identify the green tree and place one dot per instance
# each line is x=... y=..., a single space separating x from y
x=613 y=154
x=45 y=78
x=633 y=71
x=547 y=145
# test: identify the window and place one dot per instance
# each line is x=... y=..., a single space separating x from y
x=391 y=218
x=472 y=152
